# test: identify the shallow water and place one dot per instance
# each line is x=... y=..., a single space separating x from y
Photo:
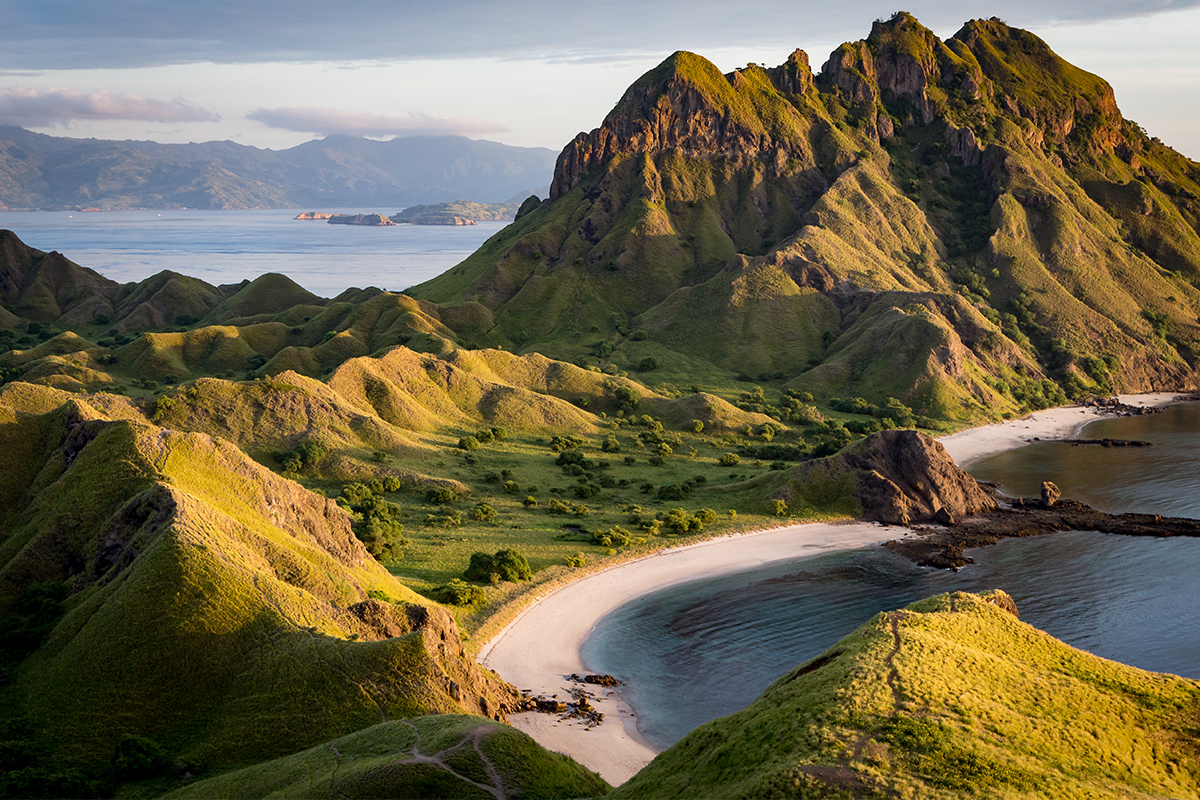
x=231 y=246
x=695 y=652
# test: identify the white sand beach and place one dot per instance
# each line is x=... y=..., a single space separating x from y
x=541 y=647
x=973 y=443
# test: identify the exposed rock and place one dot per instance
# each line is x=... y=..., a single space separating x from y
x=946 y=549
x=906 y=476
x=529 y=204
x=1050 y=494
x=313 y=215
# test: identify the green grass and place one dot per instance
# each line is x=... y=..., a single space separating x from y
x=461 y=755
x=950 y=697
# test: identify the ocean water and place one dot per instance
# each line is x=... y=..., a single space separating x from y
x=705 y=649
x=231 y=246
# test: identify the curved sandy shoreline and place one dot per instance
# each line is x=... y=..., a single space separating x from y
x=541 y=646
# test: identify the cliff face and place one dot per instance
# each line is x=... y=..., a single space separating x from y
x=758 y=220
x=687 y=105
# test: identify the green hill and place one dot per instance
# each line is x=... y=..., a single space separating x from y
x=438 y=756
x=199 y=601
x=950 y=697
x=969 y=225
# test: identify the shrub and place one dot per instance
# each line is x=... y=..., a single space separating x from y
x=468 y=443
x=617 y=537
x=577 y=560
x=460 y=593
x=441 y=496
x=627 y=399
x=137 y=757
x=780 y=508
x=697 y=426
x=483 y=513
x=647 y=364
x=611 y=445
x=730 y=459
x=530 y=502
x=509 y=565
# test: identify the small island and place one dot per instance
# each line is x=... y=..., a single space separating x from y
x=359 y=219
x=460 y=212
x=313 y=215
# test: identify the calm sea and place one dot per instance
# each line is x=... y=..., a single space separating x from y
x=706 y=649
x=231 y=246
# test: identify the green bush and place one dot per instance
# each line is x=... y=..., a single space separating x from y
x=460 y=593
x=730 y=460
x=441 y=496
x=509 y=565
x=468 y=443
x=483 y=513
x=136 y=757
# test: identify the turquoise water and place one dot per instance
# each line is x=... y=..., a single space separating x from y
x=706 y=649
x=230 y=246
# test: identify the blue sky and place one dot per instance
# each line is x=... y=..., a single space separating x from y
x=523 y=72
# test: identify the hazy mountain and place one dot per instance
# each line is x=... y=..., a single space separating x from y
x=39 y=171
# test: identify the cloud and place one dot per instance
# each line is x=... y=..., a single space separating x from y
x=326 y=121
x=61 y=34
x=39 y=108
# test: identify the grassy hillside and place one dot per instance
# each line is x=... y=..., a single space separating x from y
x=950 y=697
x=437 y=756
x=196 y=600
x=976 y=210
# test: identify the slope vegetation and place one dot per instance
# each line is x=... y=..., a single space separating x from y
x=205 y=603
x=950 y=697
x=436 y=756
x=969 y=225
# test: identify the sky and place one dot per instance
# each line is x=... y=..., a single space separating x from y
x=533 y=73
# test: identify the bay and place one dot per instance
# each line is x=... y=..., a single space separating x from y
x=707 y=648
x=231 y=246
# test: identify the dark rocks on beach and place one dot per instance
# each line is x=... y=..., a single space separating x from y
x=1109 y=442
x=599 y=680
x=1114 y=406
x=945 y=548
x=1050 y=494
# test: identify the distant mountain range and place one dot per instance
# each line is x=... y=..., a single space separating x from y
x=39 y=171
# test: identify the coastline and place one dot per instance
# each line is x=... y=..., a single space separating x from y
x=972 y=444
x=541 y=646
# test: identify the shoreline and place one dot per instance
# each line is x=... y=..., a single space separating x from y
x=541 y=645
x=971 y=444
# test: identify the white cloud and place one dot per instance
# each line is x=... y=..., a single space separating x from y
x=326 y=121
x=38 y=108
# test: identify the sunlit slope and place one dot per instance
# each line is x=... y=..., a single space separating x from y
x=950 y=697
x=226 y=613
x=993 y=192
x=439 y=756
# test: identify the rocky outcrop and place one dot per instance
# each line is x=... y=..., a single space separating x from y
x=899 y=477
x=946 y=548
x=906 y=476
x=685 y=104
x=309 y=215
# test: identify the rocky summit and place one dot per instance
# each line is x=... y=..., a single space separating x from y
x=969 y=225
